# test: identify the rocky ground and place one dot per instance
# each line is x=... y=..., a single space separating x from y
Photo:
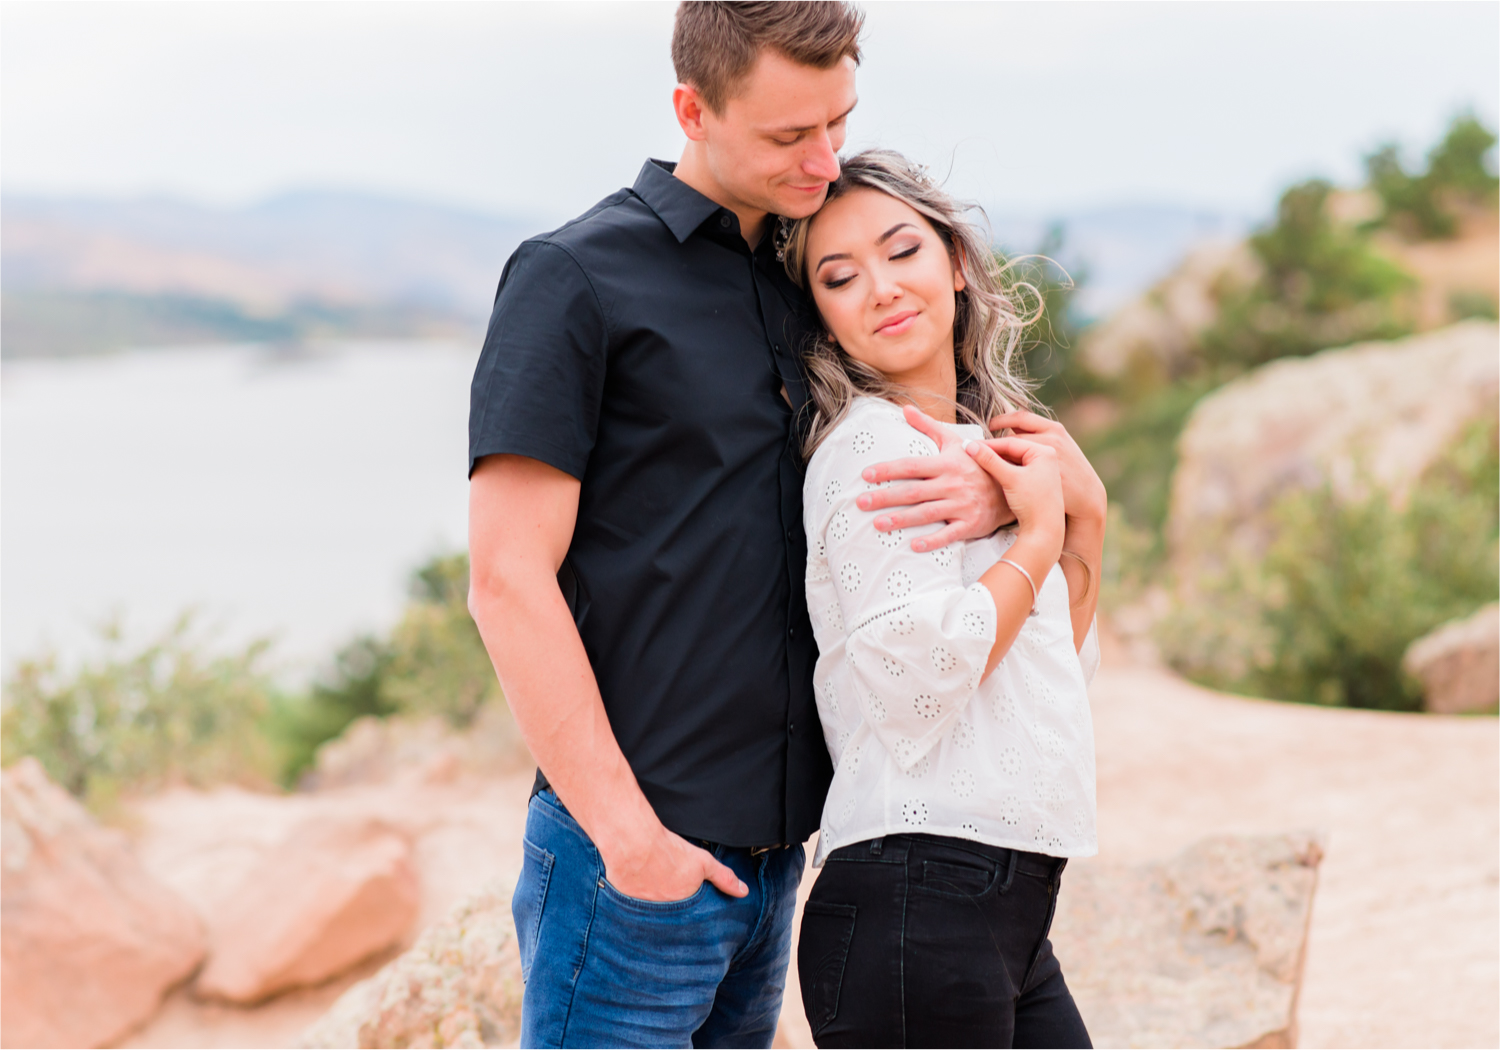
x=1402 y=948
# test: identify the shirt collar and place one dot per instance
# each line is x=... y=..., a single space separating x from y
x=676 y=203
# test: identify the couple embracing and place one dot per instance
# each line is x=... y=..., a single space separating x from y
x=766 y=540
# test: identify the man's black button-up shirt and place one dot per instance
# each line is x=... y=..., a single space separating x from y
x=643 y=348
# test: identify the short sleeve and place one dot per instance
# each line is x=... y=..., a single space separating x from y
x=540 y=378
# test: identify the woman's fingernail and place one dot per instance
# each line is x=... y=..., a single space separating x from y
x=969 y=445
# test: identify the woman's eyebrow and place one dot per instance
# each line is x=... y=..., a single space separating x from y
x=887 y=235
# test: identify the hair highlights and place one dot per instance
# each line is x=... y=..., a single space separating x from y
x=990 y=315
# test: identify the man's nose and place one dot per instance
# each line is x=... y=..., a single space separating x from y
x=821 y=161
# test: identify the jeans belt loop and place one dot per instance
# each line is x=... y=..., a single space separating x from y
x=876 y=846
x=1010 y=871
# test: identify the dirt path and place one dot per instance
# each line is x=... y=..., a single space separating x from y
x=1405 y=942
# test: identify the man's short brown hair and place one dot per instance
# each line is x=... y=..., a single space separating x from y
x=715 y=44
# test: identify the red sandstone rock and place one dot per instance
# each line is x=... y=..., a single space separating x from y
x=89 y=941
x=337 y=889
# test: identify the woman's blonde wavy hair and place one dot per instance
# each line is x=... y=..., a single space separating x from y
x=989 y=320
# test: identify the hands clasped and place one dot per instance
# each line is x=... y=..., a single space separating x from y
x=971 y=492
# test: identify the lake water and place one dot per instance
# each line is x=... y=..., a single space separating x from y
x=282 y=494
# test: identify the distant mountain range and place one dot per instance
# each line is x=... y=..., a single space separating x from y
x=83 y=275
x=80 y=275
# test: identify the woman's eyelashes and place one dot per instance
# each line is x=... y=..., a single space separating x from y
x=837 y=279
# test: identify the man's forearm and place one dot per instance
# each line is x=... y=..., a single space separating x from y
x=1084 y=539
x=550 y=687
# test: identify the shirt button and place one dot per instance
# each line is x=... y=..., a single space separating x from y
x=791 y=727
x=724 y=221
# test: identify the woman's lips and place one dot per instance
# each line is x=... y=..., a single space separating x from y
x=897 y=324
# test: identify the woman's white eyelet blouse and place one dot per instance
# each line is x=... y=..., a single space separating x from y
x=919 y=743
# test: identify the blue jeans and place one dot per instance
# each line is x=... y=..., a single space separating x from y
x=604 y=969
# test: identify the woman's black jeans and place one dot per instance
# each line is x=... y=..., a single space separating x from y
x=922 y=940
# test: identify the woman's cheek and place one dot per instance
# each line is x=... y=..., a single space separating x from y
x=841 y=322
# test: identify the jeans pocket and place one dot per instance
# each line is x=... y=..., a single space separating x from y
x=822 y=951
x=957 y=880
x=530 y=898
x=637 y=904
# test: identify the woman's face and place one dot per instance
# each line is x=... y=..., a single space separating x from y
x=884 y=284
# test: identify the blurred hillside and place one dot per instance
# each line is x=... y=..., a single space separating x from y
x=1298 y=431
x=83 y=276
x=88 y=275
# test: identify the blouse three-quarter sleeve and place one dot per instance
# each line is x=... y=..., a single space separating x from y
x=1088 y=656
x=917 y=639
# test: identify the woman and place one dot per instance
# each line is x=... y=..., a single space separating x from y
x=950 y=684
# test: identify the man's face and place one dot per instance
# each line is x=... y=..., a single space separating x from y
x=774 y=148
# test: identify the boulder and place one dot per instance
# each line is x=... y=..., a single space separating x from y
x=459 y=986
x=418 y=748
x=89 y=941
x=1205 y=949
x=1374 y=412
x=1458 y=664
x=337 y=889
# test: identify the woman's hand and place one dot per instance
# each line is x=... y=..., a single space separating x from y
x=947 y=487
x=1033 y=487
x=1084 y=498
x=1031 y=477
x=1085 y=506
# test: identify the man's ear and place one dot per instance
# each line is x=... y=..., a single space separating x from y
x=690 y=109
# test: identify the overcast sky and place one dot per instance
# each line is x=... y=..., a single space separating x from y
x=540 y=109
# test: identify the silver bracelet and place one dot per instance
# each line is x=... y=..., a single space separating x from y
x=1029 y=580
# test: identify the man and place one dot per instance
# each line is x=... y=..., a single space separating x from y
x=638 y=556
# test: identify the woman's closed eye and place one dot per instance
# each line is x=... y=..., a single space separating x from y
x=837 y=278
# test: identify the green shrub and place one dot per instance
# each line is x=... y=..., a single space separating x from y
x=1427 y=204
x=130 y=722
x=354 y=687
x=1322 y=286
x=1346 y=585
x=433 y=662
x=1131 y=560
x=438 y=661
x=1136 y=455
